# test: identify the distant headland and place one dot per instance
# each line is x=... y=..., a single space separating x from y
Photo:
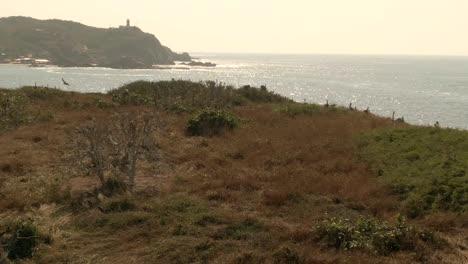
x=25 y=40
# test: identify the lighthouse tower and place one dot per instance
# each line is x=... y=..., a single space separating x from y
x=128 y=22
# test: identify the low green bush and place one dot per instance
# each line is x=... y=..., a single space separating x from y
x=113 y=186
x=261 y=95
x=19 y=239
x=371 y=234
x=12 y=109
x=210 y=123
x=187 y=96
x=426 y=166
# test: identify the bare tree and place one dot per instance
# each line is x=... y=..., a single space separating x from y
x=132 y=140
x=114 y=146
x=92 y=148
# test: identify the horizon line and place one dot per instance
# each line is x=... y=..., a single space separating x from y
x=326 y=53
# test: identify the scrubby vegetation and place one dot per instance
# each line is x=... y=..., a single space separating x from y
x=12 y=111
x=111 y=149
x=427 y=167
x=119 y=178
x=210 y=123
x=19 y=239
x=185 y=96
x=371 y=234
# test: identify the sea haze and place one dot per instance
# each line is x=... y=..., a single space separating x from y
x=422 y=89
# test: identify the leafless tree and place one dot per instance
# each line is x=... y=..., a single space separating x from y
x=114 y=146
x=91 y=147
x=132 y=140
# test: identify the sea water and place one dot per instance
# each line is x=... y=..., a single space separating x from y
x=422 y=89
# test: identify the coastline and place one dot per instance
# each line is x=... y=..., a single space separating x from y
x=402 y=85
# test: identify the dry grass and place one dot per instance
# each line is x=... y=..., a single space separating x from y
x=252 y=195
x=290 y=156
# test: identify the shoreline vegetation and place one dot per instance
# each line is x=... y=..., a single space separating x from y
x=204 y=172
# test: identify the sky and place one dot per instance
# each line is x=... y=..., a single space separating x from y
x=419 y=27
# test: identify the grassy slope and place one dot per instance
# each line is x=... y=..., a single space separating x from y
x=426 y=166
x=254 y=195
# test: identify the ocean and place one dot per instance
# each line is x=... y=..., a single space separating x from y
x=423 y=89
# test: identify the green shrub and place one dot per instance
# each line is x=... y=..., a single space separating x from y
x=114 y=185
x=20 y=240
x=427 y=167
x=12 y=109
x=261 y=95
x=187 y=96
x=210 y=123
x=371 y=234
x=175 y=95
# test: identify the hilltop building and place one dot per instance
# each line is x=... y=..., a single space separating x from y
x=127 y=25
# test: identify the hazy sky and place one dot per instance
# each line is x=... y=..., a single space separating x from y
x=276 y=26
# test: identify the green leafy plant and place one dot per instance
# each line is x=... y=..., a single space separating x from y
x=371 y=234
x=12 y=109
x=210 y=123
x=19 y=239
x=426 y=166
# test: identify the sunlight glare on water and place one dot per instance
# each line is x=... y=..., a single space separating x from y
x=422 y=89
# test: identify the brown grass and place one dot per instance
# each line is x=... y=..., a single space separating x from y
x=287 y=156
x=285 y=173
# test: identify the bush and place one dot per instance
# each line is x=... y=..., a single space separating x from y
x=371 y=234
x=113 y=186
x=12 y=109
x=176 y=95
x=210 y=123
x=111 y=149
x=261 y=95
x=426 y=166
x=187 y=96
x=20 y=240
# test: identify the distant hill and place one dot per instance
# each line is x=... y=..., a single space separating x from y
x=68 y=43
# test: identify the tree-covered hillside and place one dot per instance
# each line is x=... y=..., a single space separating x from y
x=67 y=43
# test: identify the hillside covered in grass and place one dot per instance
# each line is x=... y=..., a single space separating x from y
x=67 y=43
x=185 y=172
